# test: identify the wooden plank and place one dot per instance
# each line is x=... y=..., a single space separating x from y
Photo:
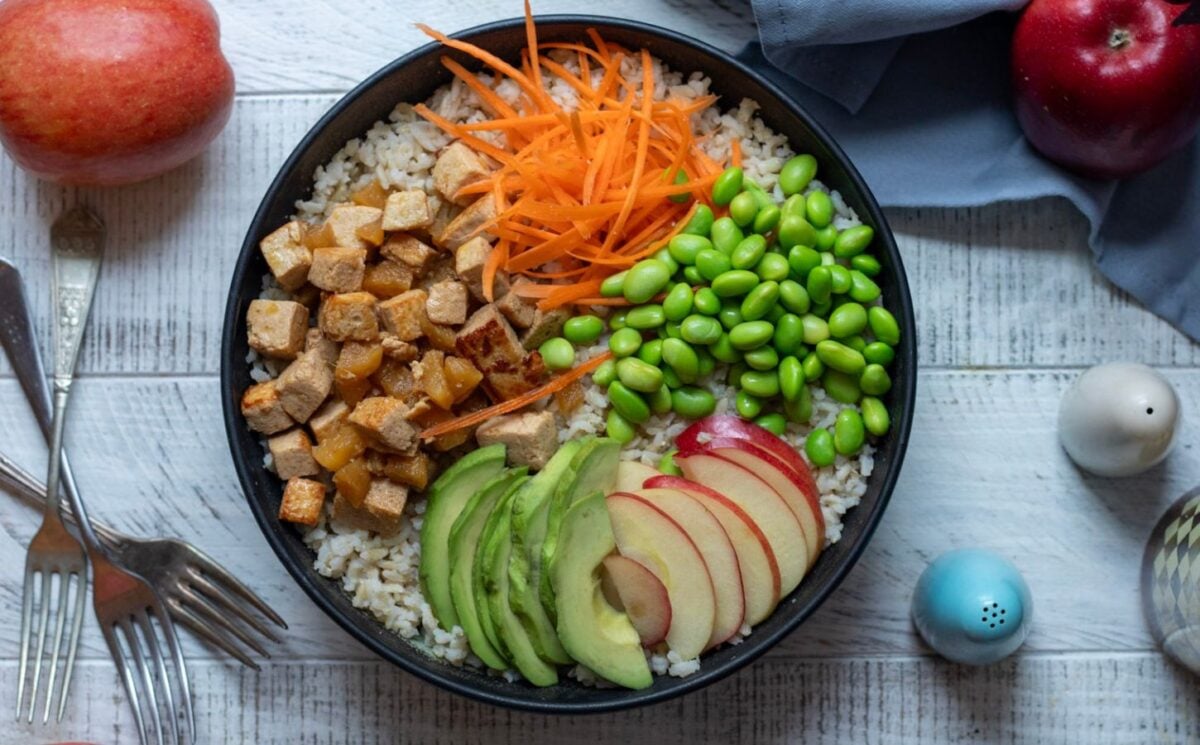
x=1078 y=699
x=984 y=469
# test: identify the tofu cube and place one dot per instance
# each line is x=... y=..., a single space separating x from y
x=287 y=256
x=349 y=316
x=447 y=303
x=468 y=264
x=407 y=210
x=409 y=251
x=276 y=328
x=304 y=386
x=292 y=453
x=385 y=500
x=385 y=420
x=329 y=419
x=519 y=311
x=531 y=438
x=346 y=220
x=346 y=515
x=338 y=269
x=317 y=343
x=262 y=407
x=546 y=325
x=302 y=501
x=490 y=343
x=395 y=348
x=457 y=166
x=468 y=224
x=403 y=315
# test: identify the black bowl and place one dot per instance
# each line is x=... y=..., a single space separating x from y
x=413 y=78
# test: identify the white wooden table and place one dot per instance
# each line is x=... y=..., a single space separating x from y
x=1009 y=309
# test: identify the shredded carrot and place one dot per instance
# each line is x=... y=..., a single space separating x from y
x=519 y=402
x=735 y=152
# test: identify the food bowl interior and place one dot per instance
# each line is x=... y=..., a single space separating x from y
x=413 y=78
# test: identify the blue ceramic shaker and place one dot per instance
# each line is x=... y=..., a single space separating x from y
x=972 y=606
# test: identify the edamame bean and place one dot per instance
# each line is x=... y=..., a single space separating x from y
x=883 y=325
x=818 y=446
x=847 y=320
x=793 y=296
x=664 y=255
x=669 y=330
x=682 y=359
x=802 y=260
x=820 y=284
x=748 y=252
x=794 y=230
x=791 y=378
x=627 y=402
x=878 y=353
x=625 y=342
x=646 y=317
x=690 y=402
x=863 y=288
x=855 y=342
x=761 y=197
x=839 y=279
x=723 y=351
x=583 y=329
x=828 y=259
x=763 y=358
x=789 y=334
x=848 y=434
x=853 y=241
x=684 y=247
x=727 y=186
x=706 y=302
x=680 y=179
x=692 y=275
x=819 y=209
x=712 y=263
x=796 y=174
x=613 y=285
x=750 y=334
x=761 y=299
x=841 y=387
x=557 y=353
x=671 y=378
x=697 y=329
x=743 y=209
x=827 y=238
x=812 y=366
x=838 y=356
x=875 y=380
x=701 y=222
x=766 y=219
x=816 y=330
x=867 y=264
x=731 y=314
x=734 y=282
x=707 y=363
x=639 y=376
x=773 y=423
x=794 y=205
x=734 y=376
x=821 y=310
x=761 y=383
x=645 y=280
x=651 y=352
x=666 y=464
x=605 y=374
x=726 y=235
x=776 y=312
x=619 y=428
x=875 y=416
x=678 y=302
x=747 y=406
x=799 y=409
x=772 y=267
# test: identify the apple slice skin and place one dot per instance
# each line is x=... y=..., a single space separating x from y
x=755 y=556
x=804 y=482
x=643 y=596
x=724 y=425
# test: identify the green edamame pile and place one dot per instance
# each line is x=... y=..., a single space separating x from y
x=775 y=293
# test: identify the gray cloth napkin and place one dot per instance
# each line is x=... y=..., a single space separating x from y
x=918 y=95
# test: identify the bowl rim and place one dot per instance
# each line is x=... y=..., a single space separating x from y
x=306 y=577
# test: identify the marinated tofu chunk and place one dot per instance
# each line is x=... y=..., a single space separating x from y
x=531 y=438
x=490 y=343
x=409 y=251
x=469 y=223
x=329 y=419
x=304 y=386
x=546 y=325
x=386 y=499
x=263 y=408
x=347 y=219
x=385 y=420
x=395 y=348
x=292 y=454
x=469 y=260
x=347 y=515
x=276 y=328
x=302 y=501
x=287 y=256
x=518 y=310
x=349 y=316
x=404 y=314
x=325 y=349
x=457 y=166
x=407 y=210
x=447 y=303
x=338 y=269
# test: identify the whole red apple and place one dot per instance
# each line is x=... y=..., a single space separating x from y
x=1107 y=88
x=110 y=91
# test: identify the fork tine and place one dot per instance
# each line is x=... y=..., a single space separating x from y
x=205 y=631
x=73 y=643
x=232 y=584
x=205 y=607
x=64 y=589
x=118 y=655
x=164 y=682
x=26 y=623
x=135 y=651
x=180 y=666
x=44 y=603
x=223 y=602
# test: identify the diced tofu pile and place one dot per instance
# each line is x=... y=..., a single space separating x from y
x=387 y=334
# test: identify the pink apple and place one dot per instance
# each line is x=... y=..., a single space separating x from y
x=640 y=594
x=724 y=425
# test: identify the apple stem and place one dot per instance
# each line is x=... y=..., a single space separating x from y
x=1119 y=39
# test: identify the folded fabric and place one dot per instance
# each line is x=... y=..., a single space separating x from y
x=927 y=119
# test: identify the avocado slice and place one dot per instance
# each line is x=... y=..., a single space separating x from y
x=479 y=567
x=445 y=501
x=464 y=545
x=492 y=562
x=594 y=468
x=530 y=512
x=596 y=634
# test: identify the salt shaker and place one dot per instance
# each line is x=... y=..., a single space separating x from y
x=1171 y=582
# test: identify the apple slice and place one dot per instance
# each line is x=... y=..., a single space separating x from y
x=762 y=503
x=760 y=570
x=710 y=537
x=725 y=425
x=631 y=474
x=646 y=535
x=633 y=588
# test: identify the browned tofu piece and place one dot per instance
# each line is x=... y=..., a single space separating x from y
x=518 y=310
x=530 y=438
x=546 y=325
x=490 y=343
x=447 y=303
x=409 y=251
x=329 y=419
x=457 y=166
x=287 y=256
x=325 y=349
x=263 y=409
x=468 y=263
x=403 y=314
x=359 y=518
x=338 y=269
x=407 y=210
x=302 y=501
x=345 y=221
x=276 y=328
x=349 y=316
x=304 y=386
x=292 y=453
x=395 y=348
x=385 y=420
x=468 y=223
x=386 y=499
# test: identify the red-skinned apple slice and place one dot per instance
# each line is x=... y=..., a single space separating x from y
x=631 y=474
x=762 y=503
x=651 y=538
x=724 y=425
x=642 y=596
x=710 y=537
x=760 y=570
